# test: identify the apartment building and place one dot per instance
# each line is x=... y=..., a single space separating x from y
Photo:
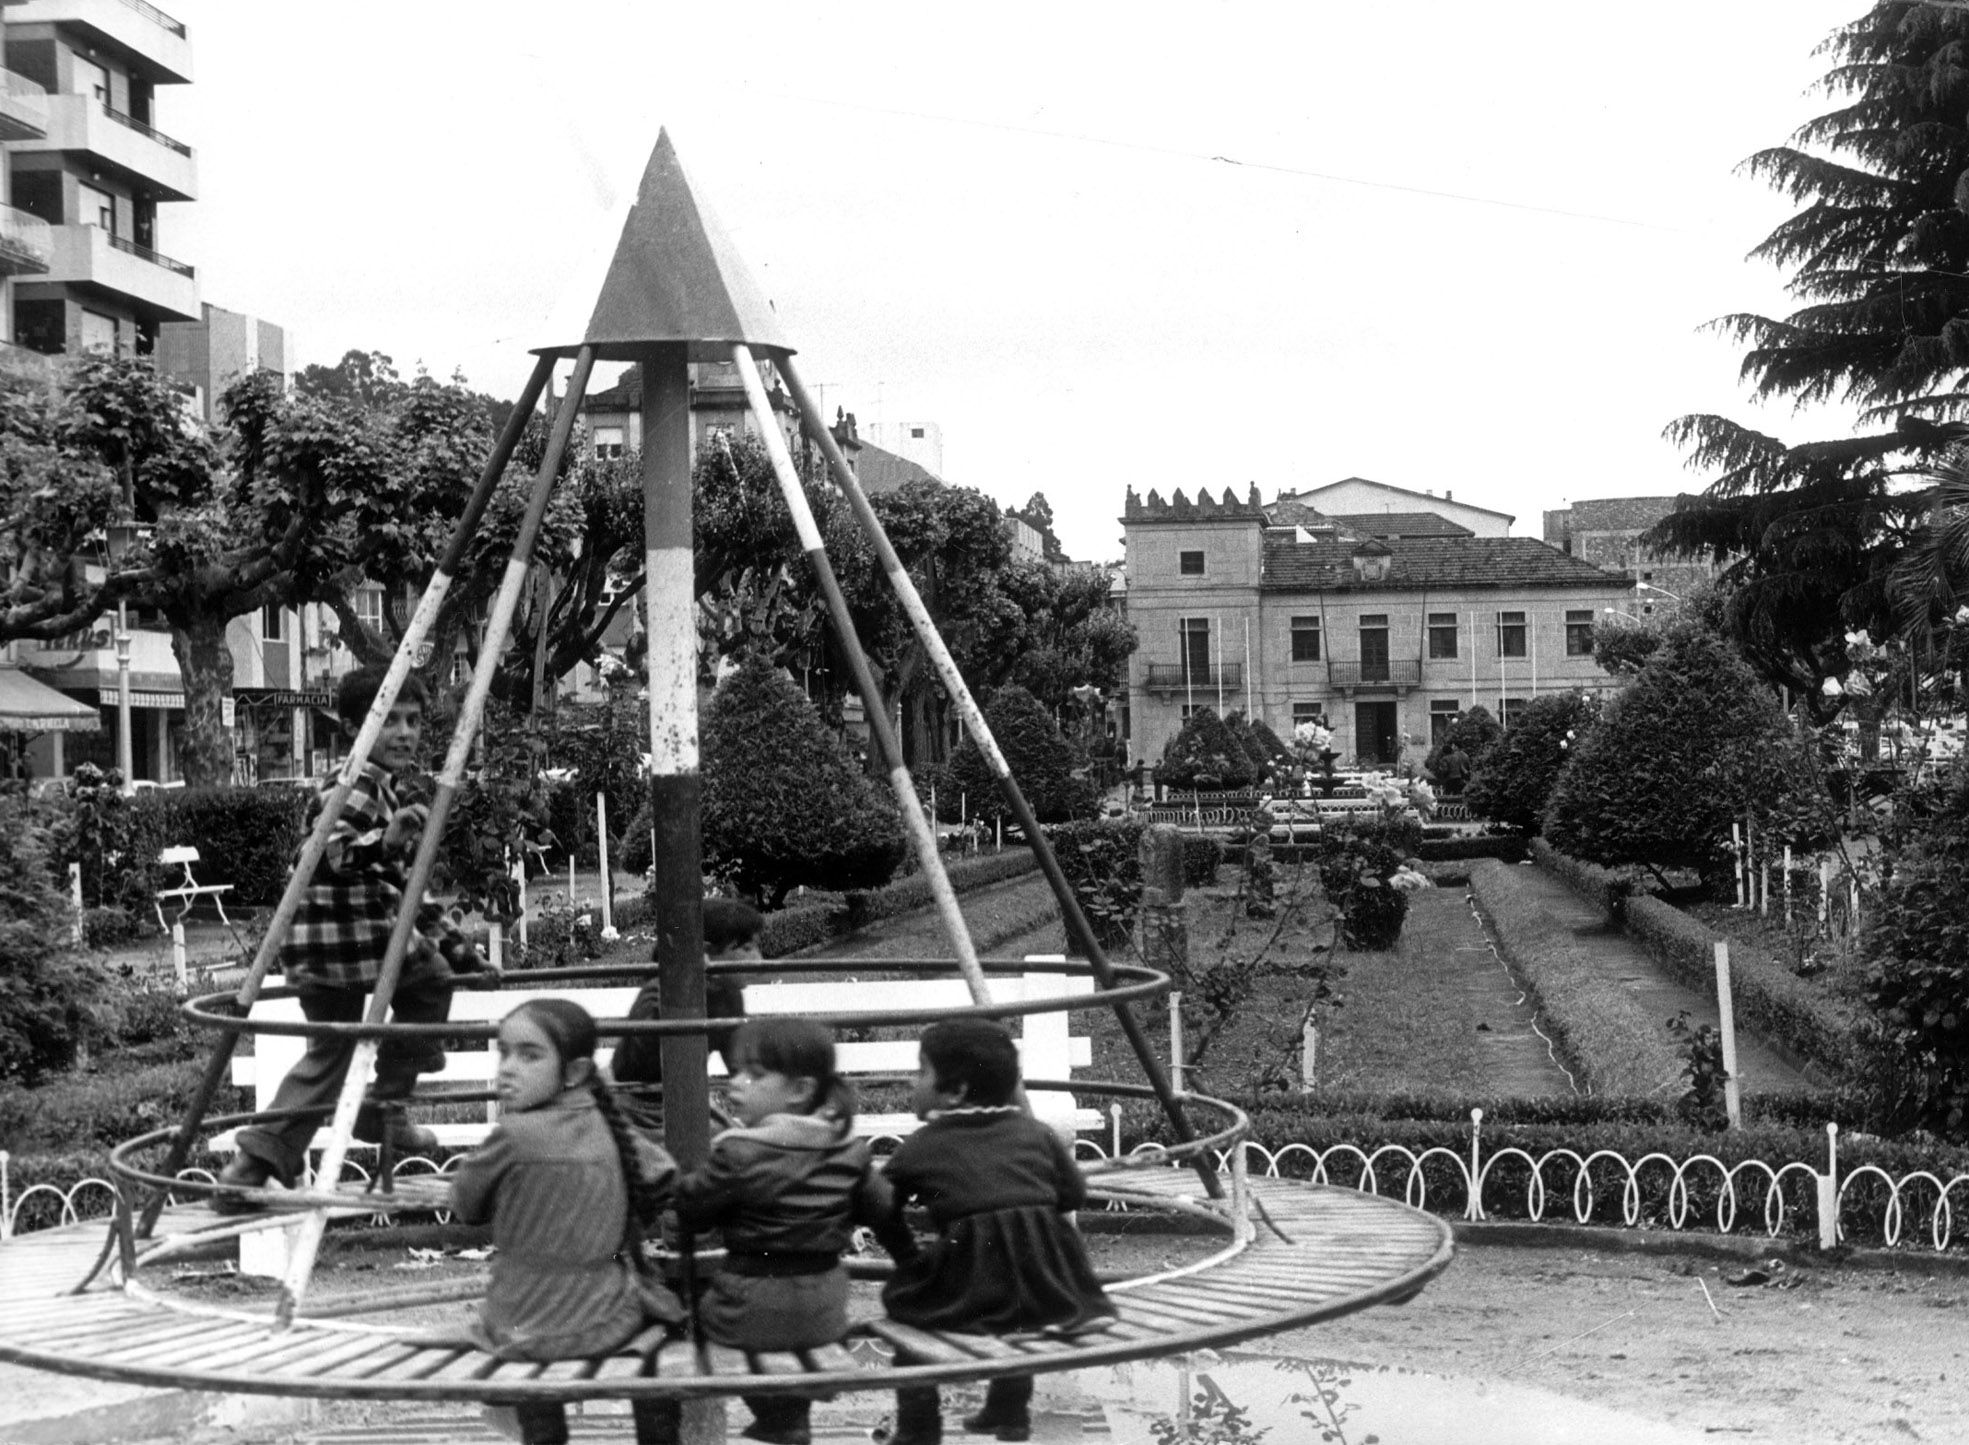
x=1383 y=632
x=1606 y=531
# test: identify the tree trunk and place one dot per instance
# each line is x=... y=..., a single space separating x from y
x=205 y=663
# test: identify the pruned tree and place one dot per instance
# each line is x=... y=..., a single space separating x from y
x=1515 y=779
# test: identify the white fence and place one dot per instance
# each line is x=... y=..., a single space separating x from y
x=1562 y=1186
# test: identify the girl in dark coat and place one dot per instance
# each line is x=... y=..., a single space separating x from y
x=568 y=1186
x=999 y=1185
x=786 y=1189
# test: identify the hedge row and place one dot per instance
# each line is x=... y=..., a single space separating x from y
x=1506 y=848
x=1611 y=1045
x=1769 y=1000
x=821 y=917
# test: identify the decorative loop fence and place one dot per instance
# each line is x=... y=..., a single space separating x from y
x=1700 y=1193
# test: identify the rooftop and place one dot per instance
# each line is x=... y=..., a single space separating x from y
x=1418 y=562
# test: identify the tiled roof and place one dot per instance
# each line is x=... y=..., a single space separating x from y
x=1327 y=566
x=1401 y=524
x=1295 y=514
x=1314 y=493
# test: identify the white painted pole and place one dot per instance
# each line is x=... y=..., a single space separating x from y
x=601 y=857
x=1764 y=886
x=495 y=943
x=1473 y=659
x=1114 y=1119
x=1001 y=832
x=519 y=880
x=75 y=900
x=1176 y=1039
x=1309 y=1047
x=1825 y=892
x=1736 y=858
x=1249 y=715
x=1828 y=1183
x=570 y=878
x=1732 y=1100
x=1217 y=658
x=1787 y=885
x=179 y=964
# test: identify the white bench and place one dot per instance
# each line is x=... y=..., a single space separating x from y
x=1047 y=1047
x=188 y=890
x=1047 y=1050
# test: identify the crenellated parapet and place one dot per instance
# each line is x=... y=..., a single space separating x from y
x=1179 y=508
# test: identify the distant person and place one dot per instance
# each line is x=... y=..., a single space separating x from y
x=569 y=1189
x=1453 y=768
x=334 y=951
x=731 y=934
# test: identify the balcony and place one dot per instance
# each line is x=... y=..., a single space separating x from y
x=154 y=44
x=27 y=366
x=1388 y=674
x=164 y=289
x=26 y=243
x=23 y=108
x=164 y=167
x=1171 y=677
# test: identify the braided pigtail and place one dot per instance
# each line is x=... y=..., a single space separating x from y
x=646 y=1194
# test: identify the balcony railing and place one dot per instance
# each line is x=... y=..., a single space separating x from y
x=156 y=258
x=1175 y=676
x=23 y=107
x=1382 y=672
x=157 y=17
x=26 y=242
x=143 y=130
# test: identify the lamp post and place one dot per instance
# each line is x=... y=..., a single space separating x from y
x=120 y=536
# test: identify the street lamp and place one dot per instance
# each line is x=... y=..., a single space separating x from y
x=120 y=536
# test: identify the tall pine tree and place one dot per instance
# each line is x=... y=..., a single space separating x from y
x=1879 y=260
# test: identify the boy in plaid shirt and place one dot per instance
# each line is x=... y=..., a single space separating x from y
x=334 y=951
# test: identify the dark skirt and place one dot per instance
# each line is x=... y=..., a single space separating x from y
x=999 y=1272
x=776 y=1312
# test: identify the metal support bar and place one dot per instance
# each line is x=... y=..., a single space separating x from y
x=498 y=628
x=218 y=1065
x=921 y=836
x=1078 y=930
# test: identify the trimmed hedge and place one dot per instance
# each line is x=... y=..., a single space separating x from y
x=1610 y=1044
x=248 y=837
x=1769 y=1000
x=1504 y=848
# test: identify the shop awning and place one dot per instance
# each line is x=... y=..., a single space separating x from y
x=27 y=706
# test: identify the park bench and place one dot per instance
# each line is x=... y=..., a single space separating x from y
x=188 y=890
x=1047 y=1050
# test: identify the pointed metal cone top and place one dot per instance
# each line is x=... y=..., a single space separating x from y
x=675 y=277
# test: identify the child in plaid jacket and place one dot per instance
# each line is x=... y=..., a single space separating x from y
x=335 y=949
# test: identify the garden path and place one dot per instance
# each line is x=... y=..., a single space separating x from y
x=1621 y=960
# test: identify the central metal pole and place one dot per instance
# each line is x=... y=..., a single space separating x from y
x=676 y=786
x=126 y=759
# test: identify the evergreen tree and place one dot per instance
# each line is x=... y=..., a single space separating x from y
x=1879 y=259
x=1055 y=777
x=1204 y=754
x=784 y=805
x=1474 y=730
x=1516 y=777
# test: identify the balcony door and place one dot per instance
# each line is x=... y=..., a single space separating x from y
x=95 y=207
x=1196 y=651
x=1374 y=647
x=88 y=78
x=1374 y=733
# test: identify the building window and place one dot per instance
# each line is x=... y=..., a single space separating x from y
x=1305 y=639
x=98 y=333
x=1309 y=712
x=1511 y=709
x=1442 y=634
x=368 y=605
x=1374 y=647
x=1194 y=639
x=916 y=433
x=1510 y=634
x=608 y=442
x=1190 y=564
x=1579 y=633
x=1443 y=712
x=95 y=207
x=273 y=624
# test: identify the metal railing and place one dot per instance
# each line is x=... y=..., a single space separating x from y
x=157 y=17
x=132 y=123
x=1393 y=671
x=156 y=258
x=1174 y=675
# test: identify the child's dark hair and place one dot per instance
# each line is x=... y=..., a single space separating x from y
x=800 y=1049
x=356 y=694
x=976 y=1055
x=729 y=923
x=570 y=1028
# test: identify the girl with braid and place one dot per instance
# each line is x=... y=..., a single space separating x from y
x=569 y=1186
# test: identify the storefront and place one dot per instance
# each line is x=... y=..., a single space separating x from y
x=31 y=712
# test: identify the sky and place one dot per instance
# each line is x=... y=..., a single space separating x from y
x=1099 y=246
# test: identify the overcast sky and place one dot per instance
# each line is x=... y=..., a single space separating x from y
x=1436 y=244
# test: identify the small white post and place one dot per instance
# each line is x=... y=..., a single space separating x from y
x=1114 y=1118
x=1764 y=886
x=75 y=899
x=1787 y=885
x=1828 y=1183
x=570 y=878
x=1736 y=849
x=7 y=1194
x=519 y=879
x=178 y=963
x=1176 y=1040
x=1001 y=833
x=601 y=855
x=1475 y=1208
x=1853 y=906
x=933 y=808
x=495 y=944
x=1309 y=1051
x=1825 y=891
x=1732 y=1098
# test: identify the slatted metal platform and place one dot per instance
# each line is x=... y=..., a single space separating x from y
x=1333 y=1251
